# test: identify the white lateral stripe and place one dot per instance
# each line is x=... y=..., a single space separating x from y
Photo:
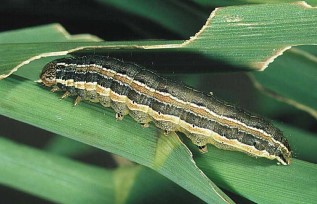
x=174 y=98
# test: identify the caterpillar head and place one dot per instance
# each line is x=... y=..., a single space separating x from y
x=48 y=75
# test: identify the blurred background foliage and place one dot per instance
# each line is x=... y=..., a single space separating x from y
x=171 y=20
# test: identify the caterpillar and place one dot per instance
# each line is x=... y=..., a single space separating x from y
x=147 y=97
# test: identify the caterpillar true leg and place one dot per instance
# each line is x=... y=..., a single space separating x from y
x=77 y=100
x=55 y=88
x=65 y=95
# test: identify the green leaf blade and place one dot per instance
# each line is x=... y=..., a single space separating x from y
x=96 y=126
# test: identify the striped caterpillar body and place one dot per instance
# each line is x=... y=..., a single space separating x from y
x=131 y=89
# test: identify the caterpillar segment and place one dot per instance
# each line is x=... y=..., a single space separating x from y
x=130 y=89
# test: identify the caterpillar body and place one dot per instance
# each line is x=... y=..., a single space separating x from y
x=131 y=89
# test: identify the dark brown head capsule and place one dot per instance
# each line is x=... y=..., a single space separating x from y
x=48 y=75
